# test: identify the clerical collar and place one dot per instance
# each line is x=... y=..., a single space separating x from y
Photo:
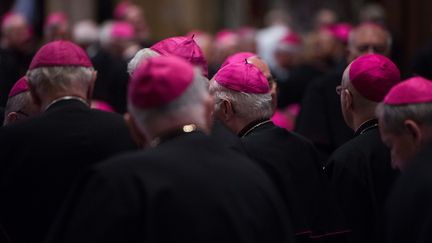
x=173 y=133
x=366 y=126
x=65 y=98
x=252 y=126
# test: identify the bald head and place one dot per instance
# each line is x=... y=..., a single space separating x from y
x=368 y=38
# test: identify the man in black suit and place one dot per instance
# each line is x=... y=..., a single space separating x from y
x=42 y=156
x=185 y=188
x=244 y=104
x=406 y=128
x=360 y=170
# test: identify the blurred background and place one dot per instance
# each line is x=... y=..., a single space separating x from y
x=286 y=33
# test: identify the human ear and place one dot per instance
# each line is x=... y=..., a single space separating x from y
x=414 y=132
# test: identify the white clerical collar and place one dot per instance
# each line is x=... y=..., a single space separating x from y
x=65 y=98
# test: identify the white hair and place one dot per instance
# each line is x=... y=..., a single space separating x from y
x=393 y=117
x=247 y=106
x=139 y=57
x=189 y=104
x=60 y=78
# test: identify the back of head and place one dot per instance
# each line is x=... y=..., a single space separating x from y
x=15 y=30
x=368 y=79
x=166 y=92
x=19 y=105
x=61 y=68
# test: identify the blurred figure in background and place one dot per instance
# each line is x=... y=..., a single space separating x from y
x=56 y=27
x=86 y=34
x=15 y=51
x=277 y=21
x=225 y=44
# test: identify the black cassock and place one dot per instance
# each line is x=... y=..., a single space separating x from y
x=320 y=119
x=186 y=189
x=42 y=156
x=409 y=206
x=292 y=164
x=361 y=174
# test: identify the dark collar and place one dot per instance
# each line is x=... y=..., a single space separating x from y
x=61 y=104
x=366 y=126
x=252 y=126
x=186 y=129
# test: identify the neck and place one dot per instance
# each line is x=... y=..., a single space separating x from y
x=360 y=118
x=50 y=99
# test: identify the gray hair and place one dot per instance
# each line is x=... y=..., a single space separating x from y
x=139 y=57
x=393 y=117
x=189 y=104
x=16 y=103
x=247 y=106
x=59 y=78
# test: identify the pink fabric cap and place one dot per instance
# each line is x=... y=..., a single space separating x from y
x=121 y=9
x=19 y=87
x=60 y=53
x=159 y=80
x=184 y=47
x=238 y=57
x=340 y=31
x=373 y=75
x=122 y=30
x=226 y=37
x=292 y=39
x=56 y=18
x=415 y=90
x=243 y=77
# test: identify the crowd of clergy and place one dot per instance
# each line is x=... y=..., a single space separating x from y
x=246 y=136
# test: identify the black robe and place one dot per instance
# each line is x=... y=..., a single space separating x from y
x=409 y=206
x=292 y=164
x=188 y=188
x=13 y=65
x=42 y=156
x=320 y=119
x=362 y=176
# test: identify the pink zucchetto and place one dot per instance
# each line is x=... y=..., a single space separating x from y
x=415 y=90
x=19 y=87
x=184 y=47
x=238 y=57
x=122 y=30
x=121 y=9
x=340 y=31
x=56 y=18
x=159 y=80
x=373 y=75
x=291 y=42
x=60 y=53
x=242 y=77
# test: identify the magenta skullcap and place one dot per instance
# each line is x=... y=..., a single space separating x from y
x=19 y=87
x=122 y=30
x=291 y=39
x=60 y=53
x=56 y=18
x=373 y=75
x=184 y=47
x=243 y=77
x=238 y=57
x=415 y=90
x=159 y=80
x=121 y=9
x=340 y=31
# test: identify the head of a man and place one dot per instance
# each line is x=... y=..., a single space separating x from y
x=166 y=93
x=288 y=50
x=365 y=83
x=20 y=104
x=56 y=27
x=15 y=31
x=242 y=95
x=60 y=68
x=368 y=38
x=183 y=47
x=405 y=119
x=140 y=57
